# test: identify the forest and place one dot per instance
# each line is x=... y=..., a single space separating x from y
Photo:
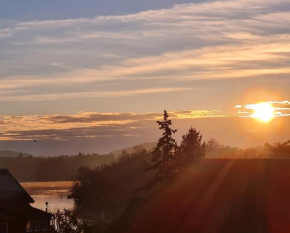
x=59 y=168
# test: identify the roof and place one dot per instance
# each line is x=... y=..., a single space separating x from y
x=11 y=190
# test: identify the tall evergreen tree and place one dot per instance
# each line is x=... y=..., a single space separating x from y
x=164 y=158
x=191 y=148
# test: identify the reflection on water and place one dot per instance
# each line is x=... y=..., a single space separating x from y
x=55 y=193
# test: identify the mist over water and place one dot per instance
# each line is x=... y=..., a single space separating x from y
x=55 y=193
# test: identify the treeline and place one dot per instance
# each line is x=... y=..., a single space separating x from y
x=59 y=168
x=279 y=150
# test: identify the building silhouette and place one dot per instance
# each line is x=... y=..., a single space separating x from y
x=16 y=213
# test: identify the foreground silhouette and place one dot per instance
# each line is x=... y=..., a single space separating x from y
x=219 y=196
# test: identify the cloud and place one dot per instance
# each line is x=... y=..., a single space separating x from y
x=80 y=95
x=88 y=124
x=206 y=41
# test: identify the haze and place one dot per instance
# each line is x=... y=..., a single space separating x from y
x=94 y=76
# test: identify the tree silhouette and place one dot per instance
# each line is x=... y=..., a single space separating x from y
x=213 y=145
x=279 y=150
x=191 y=148
x=66 y=222
x=105 y=190
x=164 y=158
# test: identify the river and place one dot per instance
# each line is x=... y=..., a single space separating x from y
x=55 y=193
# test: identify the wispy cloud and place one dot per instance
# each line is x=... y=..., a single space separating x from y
x=80 y=95
x=87 y=124
x=206 y=41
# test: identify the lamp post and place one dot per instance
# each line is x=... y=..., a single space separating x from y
x=46 y=204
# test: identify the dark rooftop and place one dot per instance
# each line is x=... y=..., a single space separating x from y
x=11 y=190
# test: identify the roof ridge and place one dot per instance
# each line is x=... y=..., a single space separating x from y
x=6 y=172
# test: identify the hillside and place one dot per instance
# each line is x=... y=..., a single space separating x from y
x=11 y=154
x=147 y=146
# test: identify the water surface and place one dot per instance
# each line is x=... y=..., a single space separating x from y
x=55 y=193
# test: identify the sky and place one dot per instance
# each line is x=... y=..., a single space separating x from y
x=94 y=76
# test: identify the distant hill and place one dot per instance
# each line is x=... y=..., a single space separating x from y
x=147 y=146
x=10 y=153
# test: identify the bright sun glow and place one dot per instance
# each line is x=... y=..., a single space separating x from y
x=263 y=112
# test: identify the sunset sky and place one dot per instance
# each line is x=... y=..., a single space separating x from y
x=94 y=76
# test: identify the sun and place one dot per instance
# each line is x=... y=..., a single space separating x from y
x=263 y=112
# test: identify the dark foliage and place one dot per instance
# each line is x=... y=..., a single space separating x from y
x=66 y=222
x=104 y=192
x=164 y=155
x=191 y=148
x=279 y=150
x=129 y=216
